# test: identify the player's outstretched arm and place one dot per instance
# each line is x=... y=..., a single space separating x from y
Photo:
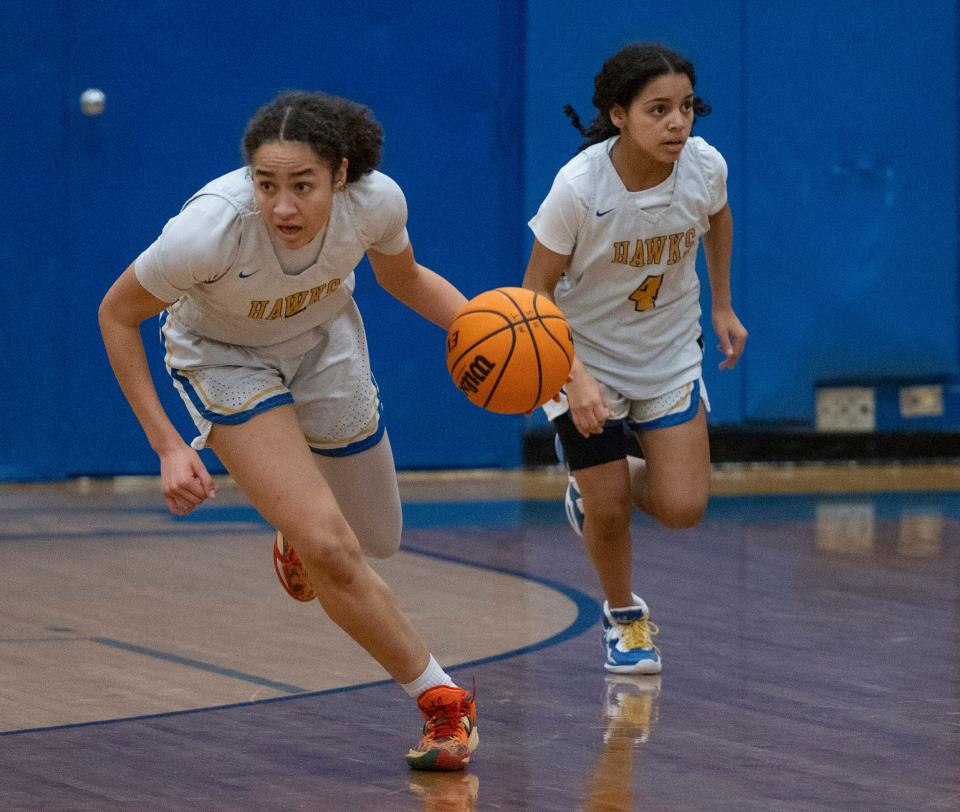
x=419 y=288
x=186 y=482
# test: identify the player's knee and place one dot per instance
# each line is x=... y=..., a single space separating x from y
x=680 y=514
x=608 y=521
x=328 y=549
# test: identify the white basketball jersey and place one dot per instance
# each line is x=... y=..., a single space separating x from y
x=228 y=284
x=630 y=292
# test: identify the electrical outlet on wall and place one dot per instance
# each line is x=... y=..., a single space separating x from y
x=921 y=401
x=846 y=408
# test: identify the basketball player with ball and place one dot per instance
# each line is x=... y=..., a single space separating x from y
x=264 y=343
x=616 y=246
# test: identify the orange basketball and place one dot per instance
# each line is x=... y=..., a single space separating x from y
x=509 y=350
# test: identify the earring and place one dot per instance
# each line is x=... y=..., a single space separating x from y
x=341 y=185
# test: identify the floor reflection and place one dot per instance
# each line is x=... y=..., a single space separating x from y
x=630 y=709
x=446 y=792
x=846 y=527
x=921 y=534
x=852 y=528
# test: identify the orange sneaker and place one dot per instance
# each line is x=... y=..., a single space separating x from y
x=293 y=576
x=450 y=732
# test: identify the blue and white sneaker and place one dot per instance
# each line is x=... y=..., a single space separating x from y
x=627 y=640
x=573 y=505
x=572 y=501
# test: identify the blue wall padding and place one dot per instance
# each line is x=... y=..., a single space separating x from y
x=838 y=122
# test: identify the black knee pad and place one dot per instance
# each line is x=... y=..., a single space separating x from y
x=615 y=443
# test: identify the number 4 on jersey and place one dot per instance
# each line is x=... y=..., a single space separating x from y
x=645 y=296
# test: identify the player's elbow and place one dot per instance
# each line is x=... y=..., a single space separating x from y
x=106 y=315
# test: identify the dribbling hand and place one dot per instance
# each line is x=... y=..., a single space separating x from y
x=589 y=409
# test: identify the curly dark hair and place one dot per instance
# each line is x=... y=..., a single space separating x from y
x=621 y=79
x=333 y=127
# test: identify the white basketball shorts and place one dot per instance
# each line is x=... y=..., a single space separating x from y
x=329 y=383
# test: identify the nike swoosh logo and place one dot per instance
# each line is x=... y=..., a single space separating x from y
x=601 y=213
x=243 y=275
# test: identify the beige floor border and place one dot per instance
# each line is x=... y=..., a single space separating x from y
x=728 y=479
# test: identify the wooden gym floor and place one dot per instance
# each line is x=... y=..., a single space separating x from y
x=810 y=635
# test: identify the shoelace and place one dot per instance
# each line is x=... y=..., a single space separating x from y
x=639 y=634
x=444 y=721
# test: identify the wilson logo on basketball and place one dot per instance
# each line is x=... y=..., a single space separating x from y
x=475 y=374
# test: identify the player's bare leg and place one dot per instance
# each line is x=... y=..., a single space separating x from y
x=365 y=487
x=627 y=630
x=605 y=490
x=672 y=483
x=269 y=459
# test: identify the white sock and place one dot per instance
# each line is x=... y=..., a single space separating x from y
x=638 y=602
x=432 y=676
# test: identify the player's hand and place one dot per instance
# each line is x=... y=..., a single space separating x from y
x=732 y=335
x=185 y=480
x=588 y=405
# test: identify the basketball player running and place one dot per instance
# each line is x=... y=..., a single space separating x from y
x=616 y=246
x=265 y=345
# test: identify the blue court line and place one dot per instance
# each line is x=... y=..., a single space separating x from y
x=588 y=613
x=201 y=666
